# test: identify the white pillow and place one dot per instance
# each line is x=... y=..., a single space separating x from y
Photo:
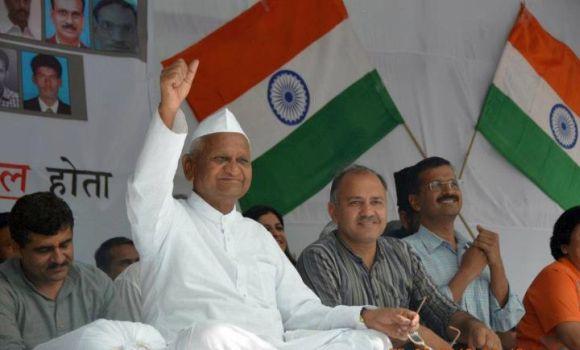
x=108 y=335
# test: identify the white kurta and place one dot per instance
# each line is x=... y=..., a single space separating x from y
x=199 y=265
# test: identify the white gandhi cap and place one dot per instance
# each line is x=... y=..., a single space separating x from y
x=221 y=121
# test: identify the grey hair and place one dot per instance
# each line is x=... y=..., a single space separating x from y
x=353 y=169
x=197 y=146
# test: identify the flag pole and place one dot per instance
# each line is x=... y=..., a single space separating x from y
x=469 y=230
x=414 y=140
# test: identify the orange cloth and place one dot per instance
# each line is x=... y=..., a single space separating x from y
x=552 y=298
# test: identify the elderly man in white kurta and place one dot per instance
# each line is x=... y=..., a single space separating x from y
x=210 y=278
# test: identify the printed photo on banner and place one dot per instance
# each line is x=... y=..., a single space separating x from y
x=21 y=18
x=9 y=83
x=67 y=23
x=115 y=25
x=45 y=82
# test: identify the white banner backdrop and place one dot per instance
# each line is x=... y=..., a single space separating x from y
x=437 y=59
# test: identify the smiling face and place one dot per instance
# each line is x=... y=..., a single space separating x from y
x=361 y=209
x=221 y=170
x=435 y=202
x=47 y=259
x=274 y=226
x=67 y=17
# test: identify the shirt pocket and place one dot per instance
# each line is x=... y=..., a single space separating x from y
x=262 y=283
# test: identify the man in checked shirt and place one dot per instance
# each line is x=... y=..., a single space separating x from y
x=8 y=98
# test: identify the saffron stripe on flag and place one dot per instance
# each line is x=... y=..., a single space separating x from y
x=305 y=161
x=529 y=148
x=250 y=47
x=540 y=49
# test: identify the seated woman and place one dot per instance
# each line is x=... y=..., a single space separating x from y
x=552 y=303
x=271 y=219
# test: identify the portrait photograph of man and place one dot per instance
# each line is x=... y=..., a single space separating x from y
x=9 y=97
x=45 y=83
x=115 y=25
x=21 y=18
x=66 y=23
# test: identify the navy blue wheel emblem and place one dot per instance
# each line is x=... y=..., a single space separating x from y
x=563 y=125
x=288 y=97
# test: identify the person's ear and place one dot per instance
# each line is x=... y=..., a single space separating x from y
x=564 y=249
x=415 y=202
x=332 y=211
x=188 y=164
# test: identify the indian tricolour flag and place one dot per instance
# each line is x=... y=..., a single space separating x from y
x=531 y=111
x=301 y=85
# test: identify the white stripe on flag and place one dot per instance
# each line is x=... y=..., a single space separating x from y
x=328 y=66
x=516 y=78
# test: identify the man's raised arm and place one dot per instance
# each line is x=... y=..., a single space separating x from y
x=150 y=205
x=175 y=81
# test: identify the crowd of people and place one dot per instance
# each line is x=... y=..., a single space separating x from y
x=207 y=277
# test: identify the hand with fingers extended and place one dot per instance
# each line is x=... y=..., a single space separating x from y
x=473 y=262
x=397 y=323
x=488 y=242
x=481 y=337
x=175 y=81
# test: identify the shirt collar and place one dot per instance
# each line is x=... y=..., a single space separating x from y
x=379 y=254
x=44 y=107
x=65 y=289
x=431 y=241
x=200 y=205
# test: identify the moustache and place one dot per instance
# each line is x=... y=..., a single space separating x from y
x=371 y=219
x=69 y=26
x=22 y=13
x=448 y=196
x=54 y=266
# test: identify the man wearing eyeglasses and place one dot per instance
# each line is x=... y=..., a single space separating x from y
x=68 y=19
x=471 y=274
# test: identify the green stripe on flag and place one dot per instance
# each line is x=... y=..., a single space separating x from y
x=528 y=148
x=305 y=161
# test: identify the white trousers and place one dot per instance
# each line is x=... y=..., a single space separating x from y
x=222 y=336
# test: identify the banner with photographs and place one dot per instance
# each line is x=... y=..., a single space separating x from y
x=110 y=27
x=42 y=83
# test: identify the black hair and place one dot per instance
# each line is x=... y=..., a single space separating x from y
x=4 y=58
x=4 y=219
x=422 y=166
x=52 y=4
x=402 y=178
x=257 y=211
x=41 y=213
x=103 y=253
x=105 y=3
x=563 y=229
x=42 y=60
x=354 y=169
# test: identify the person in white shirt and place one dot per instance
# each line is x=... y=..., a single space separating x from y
x=210 y=278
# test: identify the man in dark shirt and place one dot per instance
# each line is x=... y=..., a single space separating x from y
x=355 y=266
